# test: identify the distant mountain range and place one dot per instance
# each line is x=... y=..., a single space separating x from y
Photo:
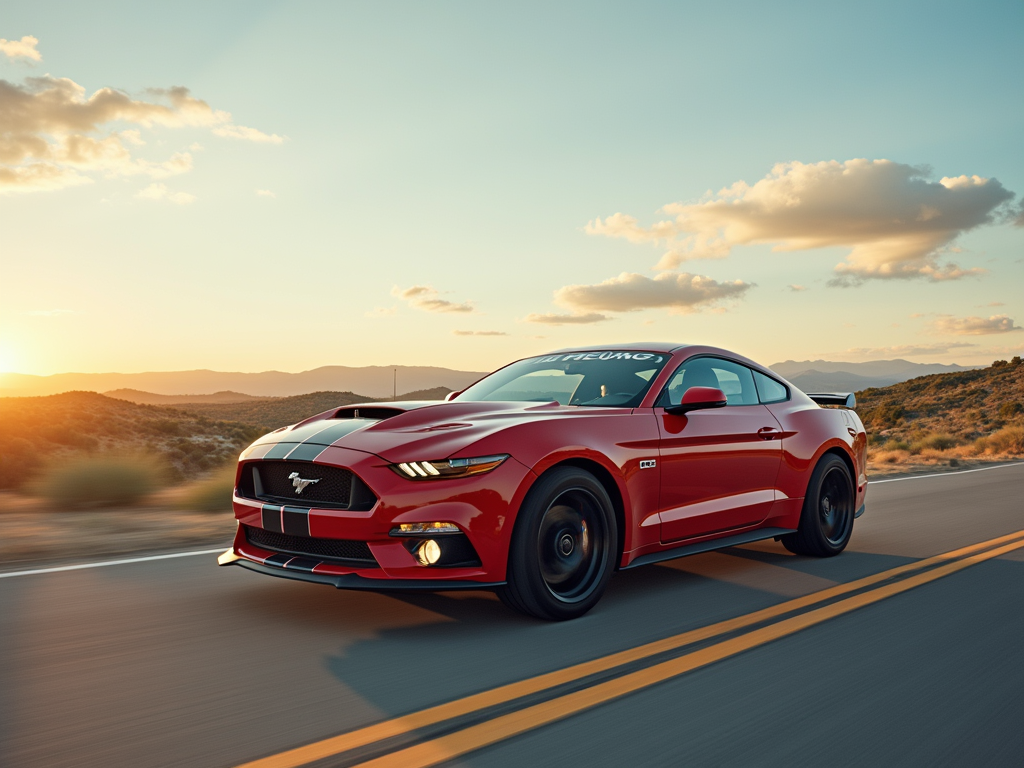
x=219 y=387
x=828 y=376
x=372 y=381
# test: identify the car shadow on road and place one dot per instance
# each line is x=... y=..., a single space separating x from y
x=477 y=643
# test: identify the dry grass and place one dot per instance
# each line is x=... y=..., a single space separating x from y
x=31 y=533
x=104 y=480
x=211 y=494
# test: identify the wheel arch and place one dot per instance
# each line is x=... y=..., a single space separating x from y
x=847 y=459
x=604 y=477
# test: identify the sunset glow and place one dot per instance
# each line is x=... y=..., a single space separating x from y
x=458 y=186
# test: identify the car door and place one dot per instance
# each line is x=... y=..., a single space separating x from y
x=718 y=466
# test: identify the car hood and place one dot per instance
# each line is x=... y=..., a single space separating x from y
x=413 y=431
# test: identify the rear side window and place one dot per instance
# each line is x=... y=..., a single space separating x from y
x=735 y=380
x=769 y=390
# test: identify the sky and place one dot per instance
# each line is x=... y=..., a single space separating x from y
x=279 y=186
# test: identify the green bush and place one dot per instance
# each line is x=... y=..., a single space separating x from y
x=212 y=494
x=104 y=480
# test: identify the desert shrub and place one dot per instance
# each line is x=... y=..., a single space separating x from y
x=1009 y=410
x=891 y=457
x=898 y=445
x=937 y=442
x=212 y=494
x=19 y=461
x=106 y=480
x=69 y=436
x=1005 y=440
x=166 y=427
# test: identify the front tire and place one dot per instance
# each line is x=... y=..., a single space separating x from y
x=826 y=522
x=563 y=547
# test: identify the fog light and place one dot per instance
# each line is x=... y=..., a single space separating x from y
x=429 y=552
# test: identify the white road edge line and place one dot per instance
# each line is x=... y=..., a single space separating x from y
x=221 y=549
x=946 y=474
x=112 y=562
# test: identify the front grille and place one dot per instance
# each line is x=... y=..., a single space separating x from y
x=343 y=550
x=332 y=489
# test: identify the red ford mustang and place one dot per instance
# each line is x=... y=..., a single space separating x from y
x=546 y=476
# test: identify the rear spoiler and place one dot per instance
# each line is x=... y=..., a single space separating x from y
x=842 y=399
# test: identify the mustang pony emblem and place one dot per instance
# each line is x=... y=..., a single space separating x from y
x=299 y=484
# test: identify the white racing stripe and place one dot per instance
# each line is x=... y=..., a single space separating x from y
x=58 y=569
x=221 y=549
x=946 y=474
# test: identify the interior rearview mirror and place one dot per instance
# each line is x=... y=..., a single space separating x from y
x=698 y=398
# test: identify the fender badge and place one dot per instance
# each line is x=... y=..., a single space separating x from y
x=648 y=463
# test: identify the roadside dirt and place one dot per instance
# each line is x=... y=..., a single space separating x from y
x=30 y=534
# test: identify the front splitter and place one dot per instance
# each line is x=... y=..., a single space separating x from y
x=355 y=581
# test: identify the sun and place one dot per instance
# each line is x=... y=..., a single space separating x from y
x=8 y=361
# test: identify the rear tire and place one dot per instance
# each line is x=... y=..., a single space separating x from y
x=563 y=547
x=826 y=522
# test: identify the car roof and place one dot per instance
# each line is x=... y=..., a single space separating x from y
x=669 y=348
x=645 y=346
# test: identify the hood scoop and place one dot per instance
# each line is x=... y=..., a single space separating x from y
x=375 y=412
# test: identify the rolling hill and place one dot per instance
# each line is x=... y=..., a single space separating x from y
x=964 y=405
x=37 y=430
x=829 y=376
x=270 y=413
x=151 y=398
x=372 y=381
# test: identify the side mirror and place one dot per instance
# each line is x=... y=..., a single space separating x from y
x=698 y=398
x=451 y=396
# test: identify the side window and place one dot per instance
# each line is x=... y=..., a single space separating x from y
x=769 y=389
x=737 y=381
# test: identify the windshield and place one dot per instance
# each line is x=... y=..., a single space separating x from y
x=607 y=378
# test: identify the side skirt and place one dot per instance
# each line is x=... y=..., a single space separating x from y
x=706 y=546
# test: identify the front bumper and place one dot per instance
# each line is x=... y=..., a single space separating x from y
x=482 y=507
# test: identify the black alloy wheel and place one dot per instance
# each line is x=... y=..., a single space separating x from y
x=826 y=522
x=563 y=547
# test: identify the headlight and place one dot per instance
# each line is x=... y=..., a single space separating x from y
x=448 y=468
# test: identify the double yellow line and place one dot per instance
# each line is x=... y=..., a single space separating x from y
x=462 y=741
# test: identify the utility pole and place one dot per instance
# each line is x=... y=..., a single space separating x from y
x=394 y=387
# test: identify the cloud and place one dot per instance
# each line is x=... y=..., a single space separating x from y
x=158 y=191
x=574 y=319
x=21 y=49
x=426 y=298
x=247 y=134
x=678 y=292
x=909 y=350
x=896 y=221
x=480 y=333
x=993 y=304
x=264 y=193
x=796 y=288
x=381 y=312
x=52 y=133
x=974 y=326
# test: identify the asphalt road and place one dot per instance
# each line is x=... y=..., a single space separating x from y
x=180 y=663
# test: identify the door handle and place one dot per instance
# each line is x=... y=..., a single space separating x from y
x=768 y=433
